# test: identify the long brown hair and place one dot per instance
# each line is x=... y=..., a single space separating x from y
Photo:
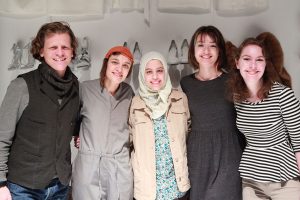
x=236 y=84
x=218 y=38
x=276 y=56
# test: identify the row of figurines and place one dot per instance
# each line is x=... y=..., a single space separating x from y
x=23 y=59
x=174 y=56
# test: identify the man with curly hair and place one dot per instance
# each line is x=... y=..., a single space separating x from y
x=37 y=120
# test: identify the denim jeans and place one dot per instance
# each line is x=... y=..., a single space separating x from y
x=54 y=191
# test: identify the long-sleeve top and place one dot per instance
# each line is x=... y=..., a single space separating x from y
x=13 y=105
x=272 y=130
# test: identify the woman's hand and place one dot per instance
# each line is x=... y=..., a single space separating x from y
x=298 y=159
x=76 y=141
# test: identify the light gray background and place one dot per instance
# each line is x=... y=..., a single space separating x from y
x=282 y=18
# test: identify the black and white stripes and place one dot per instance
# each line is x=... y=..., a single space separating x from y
x=267 y=125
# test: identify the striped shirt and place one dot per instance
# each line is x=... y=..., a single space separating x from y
x=272 y=130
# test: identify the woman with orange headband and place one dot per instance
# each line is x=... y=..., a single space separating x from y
x=102 y=168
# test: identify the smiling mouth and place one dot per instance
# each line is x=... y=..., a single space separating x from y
x=155 y=83
x=252 y=72
x=206 y=57
x=118 y=75
x=59 y=59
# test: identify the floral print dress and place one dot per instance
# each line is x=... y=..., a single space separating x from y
x=166 y=185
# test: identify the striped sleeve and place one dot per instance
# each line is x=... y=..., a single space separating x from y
x=290 y=110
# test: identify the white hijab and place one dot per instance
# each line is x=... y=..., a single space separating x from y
x=156 y=101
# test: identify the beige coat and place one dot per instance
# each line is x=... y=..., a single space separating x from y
x=142 y=136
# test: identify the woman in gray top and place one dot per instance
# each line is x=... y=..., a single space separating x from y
x=102 y=169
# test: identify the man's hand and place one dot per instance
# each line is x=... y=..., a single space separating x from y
x=5 y=193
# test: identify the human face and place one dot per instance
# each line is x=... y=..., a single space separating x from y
x=206 y=51
x=118 y=67
x=57 y=52
x=155 y=75
x=251 y=64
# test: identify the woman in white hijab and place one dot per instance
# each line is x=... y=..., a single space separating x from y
x=158 y=121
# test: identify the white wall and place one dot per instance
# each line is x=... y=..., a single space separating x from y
x=282 y=19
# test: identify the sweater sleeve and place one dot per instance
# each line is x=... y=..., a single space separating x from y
x=78 y=117
x=290 y=110
x=14 y=102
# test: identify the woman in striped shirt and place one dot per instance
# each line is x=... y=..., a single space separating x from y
x=268 y=114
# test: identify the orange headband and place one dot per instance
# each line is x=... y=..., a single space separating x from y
x=122 y=50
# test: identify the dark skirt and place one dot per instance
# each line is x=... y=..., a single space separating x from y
x=213 y=161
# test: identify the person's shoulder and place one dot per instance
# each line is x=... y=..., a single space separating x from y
x=188 y=77
x=284 y=93
x=280 y=87
x=89 y=85
x=186 y=81
x=137 y=102
x=19 y=83
x=29 y=73
x=17 y=88
x=177 y=93
x=282 y=90
x=126 y=86
x=90 y=82
x=137 y=99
